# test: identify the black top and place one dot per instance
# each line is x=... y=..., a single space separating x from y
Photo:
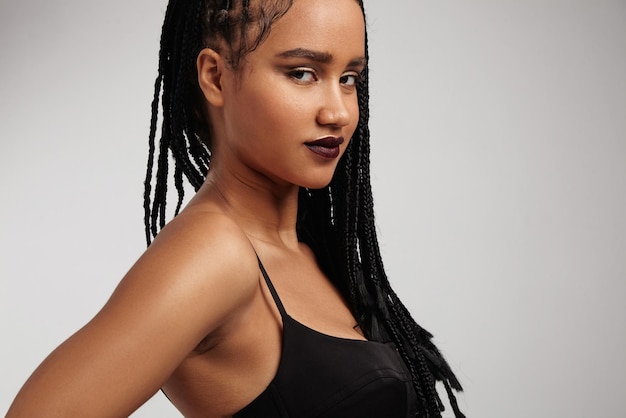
x=324 y=376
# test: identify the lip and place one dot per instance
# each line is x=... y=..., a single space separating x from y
x=327 y=147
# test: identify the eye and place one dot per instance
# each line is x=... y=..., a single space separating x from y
x=350 y=80
x=303 y=75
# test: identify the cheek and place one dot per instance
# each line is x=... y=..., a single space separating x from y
x=247 y=114
x=267 y=107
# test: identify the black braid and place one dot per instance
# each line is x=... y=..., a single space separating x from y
x=380 y=313
x=337 y=222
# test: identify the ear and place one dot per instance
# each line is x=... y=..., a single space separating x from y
x=210 y=66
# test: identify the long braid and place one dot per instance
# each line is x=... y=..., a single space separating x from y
x=378 y=291
x=148 y=210
x=178 y=128
x=380 y=313
x=336 y=221
x=151 y=149
x=385 y=299
x=190 y=26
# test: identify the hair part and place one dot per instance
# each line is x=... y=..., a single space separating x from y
x=337 y=222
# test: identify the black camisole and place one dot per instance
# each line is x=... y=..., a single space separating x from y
x=324 y=376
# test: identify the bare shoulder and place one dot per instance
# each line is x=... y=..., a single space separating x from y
x=210 y=241
x=201 y=256
x=195 y=277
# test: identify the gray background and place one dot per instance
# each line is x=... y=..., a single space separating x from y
x=499 y=172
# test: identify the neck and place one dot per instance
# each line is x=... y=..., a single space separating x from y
x=266 y=211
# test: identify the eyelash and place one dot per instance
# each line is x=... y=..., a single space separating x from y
x=355 y=76
x=297 y=74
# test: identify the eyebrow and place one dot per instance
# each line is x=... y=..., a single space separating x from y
x=317 y=56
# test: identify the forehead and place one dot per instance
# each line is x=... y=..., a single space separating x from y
x=325 y=25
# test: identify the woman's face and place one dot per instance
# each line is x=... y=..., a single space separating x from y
x=290 y=112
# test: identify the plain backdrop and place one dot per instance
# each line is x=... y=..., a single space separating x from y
x=498 y=165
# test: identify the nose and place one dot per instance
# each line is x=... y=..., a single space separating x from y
x=335 y=109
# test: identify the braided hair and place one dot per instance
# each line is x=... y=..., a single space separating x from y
x=337 y=221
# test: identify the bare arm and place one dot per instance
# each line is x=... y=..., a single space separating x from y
x=187 y=284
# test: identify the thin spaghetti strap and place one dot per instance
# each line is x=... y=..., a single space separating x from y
x=279 y=304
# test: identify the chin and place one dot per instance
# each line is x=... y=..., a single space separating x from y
x=319 y=183
x=316 y=178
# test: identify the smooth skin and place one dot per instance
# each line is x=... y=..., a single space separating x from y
x=194 y=315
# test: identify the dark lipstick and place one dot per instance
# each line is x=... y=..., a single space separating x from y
x=327 y=147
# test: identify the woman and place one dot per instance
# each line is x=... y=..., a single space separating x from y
x=259 y=298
